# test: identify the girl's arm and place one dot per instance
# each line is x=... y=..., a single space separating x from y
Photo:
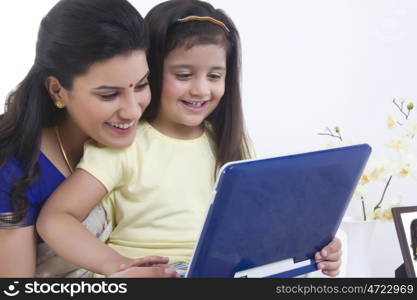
x=18 y=252
x=332 y=258
x=59 y=224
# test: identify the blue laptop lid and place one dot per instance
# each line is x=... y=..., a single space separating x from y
x=276 y=209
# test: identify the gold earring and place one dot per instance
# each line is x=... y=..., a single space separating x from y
x=59 y=104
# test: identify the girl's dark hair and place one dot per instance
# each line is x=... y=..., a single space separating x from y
x=72 y=36
x=166 y=33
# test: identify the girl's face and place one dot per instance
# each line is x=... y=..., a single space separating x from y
x=106 y=102
x=193 y=84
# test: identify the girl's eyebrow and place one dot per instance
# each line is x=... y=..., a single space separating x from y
x=219 y=68
x=184 y=66
x=109 y=87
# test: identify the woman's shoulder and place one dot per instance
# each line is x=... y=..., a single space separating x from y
x=37 y=192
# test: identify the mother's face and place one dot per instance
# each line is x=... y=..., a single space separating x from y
x=107 y=101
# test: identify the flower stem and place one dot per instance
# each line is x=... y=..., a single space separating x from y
x=383 y=194
x=401 y=108
x=363 y=210
x=330 y=133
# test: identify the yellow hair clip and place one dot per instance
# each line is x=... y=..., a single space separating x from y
x=204 y=19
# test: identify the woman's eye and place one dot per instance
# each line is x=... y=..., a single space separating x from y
x=109 y=96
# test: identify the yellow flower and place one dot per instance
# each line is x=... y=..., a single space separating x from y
x=376 y=214
x=404 y=172
x=376 y=173
x=387 y=215
x=382 y=214
x=391 y=122
x=365 y=179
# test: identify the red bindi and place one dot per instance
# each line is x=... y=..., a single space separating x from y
x=131 y=85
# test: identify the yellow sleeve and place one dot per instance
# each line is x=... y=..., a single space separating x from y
x=107 y=165
x=109 y=207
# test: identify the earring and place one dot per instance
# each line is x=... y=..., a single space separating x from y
x=59 y=104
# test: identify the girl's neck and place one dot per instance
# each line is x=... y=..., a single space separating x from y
x=177 y=131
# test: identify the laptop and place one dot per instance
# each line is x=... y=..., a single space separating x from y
x=270 y=216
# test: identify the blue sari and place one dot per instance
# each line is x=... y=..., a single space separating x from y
x=48 y=264
x=37 y=193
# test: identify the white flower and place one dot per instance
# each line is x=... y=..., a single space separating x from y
x=411 y=128
x=399 y=144
x=384 y=213
x=405 y=165
x=359 y=192
x=398 y=161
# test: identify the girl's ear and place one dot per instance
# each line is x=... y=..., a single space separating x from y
x=58 y=93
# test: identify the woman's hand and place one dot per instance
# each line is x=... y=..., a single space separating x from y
x=330 y=258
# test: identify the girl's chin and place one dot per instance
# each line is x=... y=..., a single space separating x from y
x=193 y=122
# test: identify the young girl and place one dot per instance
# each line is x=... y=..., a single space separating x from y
x=162 y=183
x=86 y=52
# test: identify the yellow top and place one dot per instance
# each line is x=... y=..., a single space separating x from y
x=161 y=190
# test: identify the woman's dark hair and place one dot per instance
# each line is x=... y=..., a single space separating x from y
x=72 y=36
x=166 y=34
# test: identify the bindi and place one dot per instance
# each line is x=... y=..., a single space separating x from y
x=131 y=85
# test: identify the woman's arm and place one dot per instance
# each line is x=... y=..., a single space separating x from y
x=60 y=226
x=18 y=252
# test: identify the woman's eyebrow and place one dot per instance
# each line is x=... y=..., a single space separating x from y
x=110 y=87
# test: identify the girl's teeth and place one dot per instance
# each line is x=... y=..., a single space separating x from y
x=196 y=104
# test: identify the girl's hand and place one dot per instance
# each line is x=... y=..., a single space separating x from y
x=146 y=261
x=162 y=271
x=331 y=258
x=148 y=266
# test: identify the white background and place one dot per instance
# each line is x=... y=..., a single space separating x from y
x=307 y=64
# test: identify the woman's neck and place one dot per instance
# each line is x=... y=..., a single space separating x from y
x=73 y=139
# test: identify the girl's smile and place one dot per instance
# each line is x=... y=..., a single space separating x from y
x=195 y=106
x=193 y=85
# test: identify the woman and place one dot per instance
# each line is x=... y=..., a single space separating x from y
x=89 y=77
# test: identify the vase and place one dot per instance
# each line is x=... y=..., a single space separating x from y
x=359 y=235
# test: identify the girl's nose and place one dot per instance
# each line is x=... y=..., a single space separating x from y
x=200 y=88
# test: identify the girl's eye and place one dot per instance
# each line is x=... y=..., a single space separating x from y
x=141 y=86
x=183 y=75
x=215 y=76
x=109 y=96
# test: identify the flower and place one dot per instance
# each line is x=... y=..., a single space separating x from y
x=391 y=122
x=399 y=162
